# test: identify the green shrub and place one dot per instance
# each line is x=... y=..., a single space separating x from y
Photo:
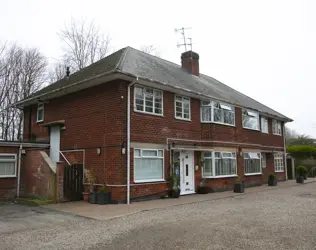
x=272 y=176
x=301 y=170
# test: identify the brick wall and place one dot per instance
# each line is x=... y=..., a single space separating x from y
x=37 y=178
x=96 y=117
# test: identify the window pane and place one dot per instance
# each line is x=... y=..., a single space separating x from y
x=206 y=114
x=226 y=107
x=208 y=167
x=204 y=103
x=137 y=152
x=148 y=169
x=229 y=117
x=149 y=153
x=207 y=154
x=7 y=168
x=218 y=154
x=160 y=153
x=217 y=115
x=252 y=166
x=7 y=157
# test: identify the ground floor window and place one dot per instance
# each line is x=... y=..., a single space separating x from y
x=278 y=163
x=252 y=163
x=219 y=164
x=148 y=165
x=7 y=165
x=263 y=160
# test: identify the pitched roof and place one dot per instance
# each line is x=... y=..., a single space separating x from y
x=134 y=62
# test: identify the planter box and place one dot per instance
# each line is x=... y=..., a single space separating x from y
x=93 y=198
x=300 y=179
x=104 y=198
x=239 y=188
x=173 y=193
x=272 y=182
x=203 y=190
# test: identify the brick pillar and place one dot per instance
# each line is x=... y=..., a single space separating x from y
x=60 y=181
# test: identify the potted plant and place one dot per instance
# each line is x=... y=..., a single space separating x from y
x=272 y=181
x=203 y=188
x=104 y=195
x=89 y=193
x=174 y=189
x=300 y=172
x=239 y=186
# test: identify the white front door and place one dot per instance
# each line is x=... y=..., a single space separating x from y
x=54 y=143
x=187 y=172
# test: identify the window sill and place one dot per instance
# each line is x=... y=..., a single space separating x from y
x=282 y=171
x=147 y=113
x=277 y=134
x=182 y=119
x=253 y=174
x=149 y=181
x=218 y=177
x=7 y=176
x=265 y=132
x=40 y=121
x=219 y=123
x=252 y=129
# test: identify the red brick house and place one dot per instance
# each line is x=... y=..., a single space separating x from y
x=130 y=116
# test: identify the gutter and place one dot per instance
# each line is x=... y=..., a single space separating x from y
x=285 y=160
x=128 y=191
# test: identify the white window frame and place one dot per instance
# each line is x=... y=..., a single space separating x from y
x=225 y=107
x=214 y=176
x=278 y=130
x=144 y=100
x=264 y=121
x=184 y=100
x=278 y=168
x=40 y=107
x=253 y=155
x=251 y=113
x=155 y=157
x=15 y=164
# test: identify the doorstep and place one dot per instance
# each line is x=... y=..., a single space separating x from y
x=106 y=212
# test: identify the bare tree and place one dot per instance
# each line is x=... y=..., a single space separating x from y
x=84 y=43
x=22 y=72
x=58 y=71
x=150 y=49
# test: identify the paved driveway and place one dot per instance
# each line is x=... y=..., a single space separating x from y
x=279 y=218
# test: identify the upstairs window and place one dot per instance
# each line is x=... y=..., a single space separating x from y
x=264 y=125
x=252 y=163
x=182 y=107
x=217 y=112
x=250 y=119
x=148 y=100
x=40 y=112
x=276 y=127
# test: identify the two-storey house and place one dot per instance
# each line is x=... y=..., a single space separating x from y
x=130 y=116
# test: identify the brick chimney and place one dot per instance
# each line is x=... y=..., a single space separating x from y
x=190 y=61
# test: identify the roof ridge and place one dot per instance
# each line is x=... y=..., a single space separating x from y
x=121 y=62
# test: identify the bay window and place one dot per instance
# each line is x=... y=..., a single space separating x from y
x=148 y=100
x=250 y=119
x=148 y=165
x=217 y=112
x=276 y=127
x=7 y=165
x=278 y=163
x=182 y=107
x=219 y=164
x=252 y=163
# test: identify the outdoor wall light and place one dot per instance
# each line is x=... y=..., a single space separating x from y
x=99 y=151
x=123 y=149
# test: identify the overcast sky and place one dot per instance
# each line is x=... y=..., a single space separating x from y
x=265 y=49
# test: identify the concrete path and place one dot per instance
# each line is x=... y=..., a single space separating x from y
x=105 y=212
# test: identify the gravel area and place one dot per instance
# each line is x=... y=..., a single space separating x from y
x=283 y=218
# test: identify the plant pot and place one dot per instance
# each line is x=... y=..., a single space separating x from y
x=239 y=188
x=272 y=182
x=175 y=193
x=93 y=198
x=203 y=190
x=104 y=198
x=85 y=196
x=299 y=179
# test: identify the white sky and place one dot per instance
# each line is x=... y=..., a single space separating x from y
x=265 y=49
